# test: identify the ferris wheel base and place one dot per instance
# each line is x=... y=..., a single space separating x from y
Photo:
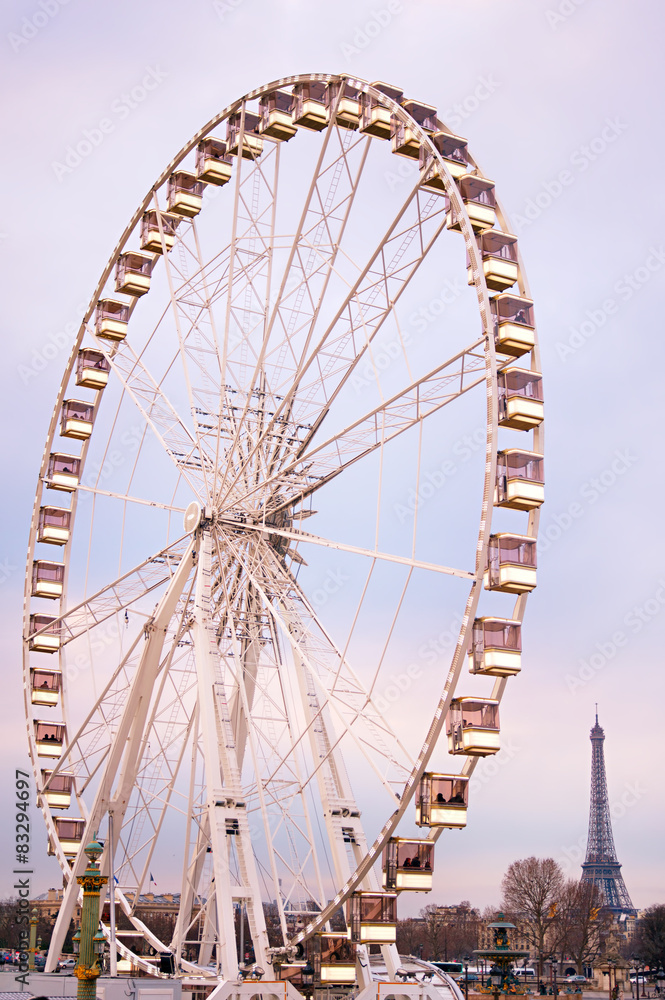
x=283 y=990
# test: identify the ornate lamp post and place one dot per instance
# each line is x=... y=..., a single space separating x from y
x=466 y=977
x=307 y=976
x=34 y=916
x=90 y=946
x=635 y=959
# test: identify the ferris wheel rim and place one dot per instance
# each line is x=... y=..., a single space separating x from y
x=485 y=529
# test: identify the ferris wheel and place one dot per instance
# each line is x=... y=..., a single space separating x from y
x=298 y=440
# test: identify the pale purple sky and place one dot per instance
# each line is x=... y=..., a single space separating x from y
x=562 y=106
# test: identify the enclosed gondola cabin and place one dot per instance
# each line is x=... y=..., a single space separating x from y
x=49 y=738
x=408 y=864
x=214 y=164
x=520 y=480
x=309 y=106
x=45 y=686
x=92 y=369
x=275 y=113
x=153 y=238
x=511 y=564
x=375 y=118
x=49 y=639
x=499 y=260
x=252 y=143
x=63 y=472
x=70 y=835
x=334 y=959
x=184 y=194
x=53 y=526
x=346 y=103
x=405 y=141
x=496 y=647
x=58 y=789
x=372 y=917
x=111 y=319
x=514 y=328
x=47 y=578
x=453 y=150
x=442 y=800
x=473 y=727
x=132 y=273
x=479 y=197
x=76 y=419
x=520 y=394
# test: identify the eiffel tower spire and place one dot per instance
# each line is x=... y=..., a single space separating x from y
x=600 y=865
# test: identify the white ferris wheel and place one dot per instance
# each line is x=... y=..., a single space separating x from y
x=290 y=453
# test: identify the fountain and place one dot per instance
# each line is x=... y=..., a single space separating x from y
x=502 y=956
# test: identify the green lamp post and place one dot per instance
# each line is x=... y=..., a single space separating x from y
x=34 y=916
x=90 y=948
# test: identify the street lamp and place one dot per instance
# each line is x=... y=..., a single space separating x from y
x=34 y=916
x=611 y=965
x=307 y=976
x=87 y=968
x=635 y=959
x=466 y=959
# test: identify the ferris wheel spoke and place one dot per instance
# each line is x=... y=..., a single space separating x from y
x=304 y=536
x=115 y=597
x=179 y=442
x=125 y=498
x=326 y=366
x=340 y=811
x=187 y=319
x=343 y=684
x=352 y=705
x=318 y=464
x=310 y=261
x=168 y=734
x=249 y=272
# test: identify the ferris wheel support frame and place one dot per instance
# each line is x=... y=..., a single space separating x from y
x=124 y=755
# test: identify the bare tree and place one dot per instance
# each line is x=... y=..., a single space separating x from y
x=410 y=936
x=532 y=888
x=581 y=924
x=649 y=942
x=435 y=922
x=463 y=930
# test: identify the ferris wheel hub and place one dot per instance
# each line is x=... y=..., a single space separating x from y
x=192 y=517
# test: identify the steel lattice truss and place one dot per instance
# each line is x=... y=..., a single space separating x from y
x=601 y=866
x=213 y=713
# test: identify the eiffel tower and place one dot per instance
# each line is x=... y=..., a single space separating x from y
x=601 y=866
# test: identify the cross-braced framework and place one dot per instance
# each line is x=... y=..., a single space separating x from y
x=601 y=866
x=223 y=708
